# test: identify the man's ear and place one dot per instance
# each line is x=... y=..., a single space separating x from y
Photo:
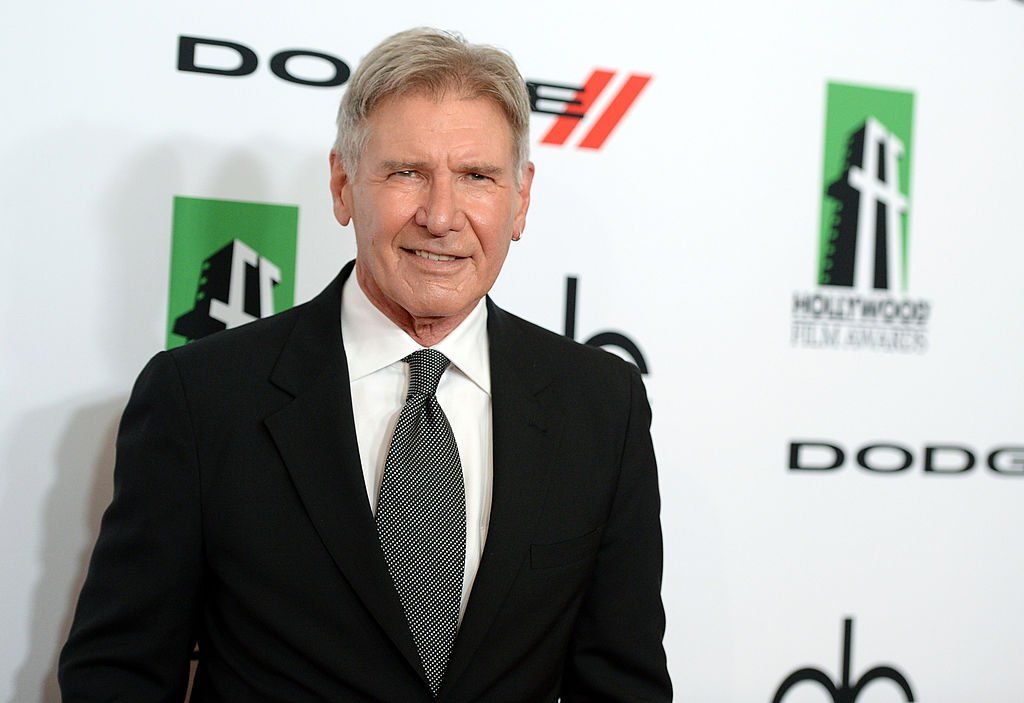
x=341 y=190
x=524 y=198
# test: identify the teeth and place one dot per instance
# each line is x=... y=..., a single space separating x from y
x=433 y=257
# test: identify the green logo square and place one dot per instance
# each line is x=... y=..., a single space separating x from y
x=865 y=210
x=232 y=262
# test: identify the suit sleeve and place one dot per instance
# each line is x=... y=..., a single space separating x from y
x=617 y=653
x=134 y=627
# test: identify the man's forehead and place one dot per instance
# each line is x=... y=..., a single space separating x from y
x=452 y=108
x=417 y=129
x=430 y=94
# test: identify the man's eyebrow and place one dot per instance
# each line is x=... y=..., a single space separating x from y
x=396 y=165
x=481 y=167
x=484 y=169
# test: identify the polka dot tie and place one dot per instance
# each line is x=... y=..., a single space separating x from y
x=421 y=516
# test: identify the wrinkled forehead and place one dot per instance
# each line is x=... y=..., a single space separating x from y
x=402 y=115
x=438 y=93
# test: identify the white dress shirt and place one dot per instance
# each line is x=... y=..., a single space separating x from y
x=375 y=347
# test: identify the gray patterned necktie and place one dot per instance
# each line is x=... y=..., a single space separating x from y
x=421 y=516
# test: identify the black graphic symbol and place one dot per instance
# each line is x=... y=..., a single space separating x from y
x=235 y=287
x=601 y=339
x=540 y=94
x=845 y=693
x=841 y=254
x=866 y=226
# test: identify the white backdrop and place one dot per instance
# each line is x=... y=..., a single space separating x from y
x=689 y=231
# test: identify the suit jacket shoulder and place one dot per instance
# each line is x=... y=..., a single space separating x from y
x=577 y=369
x=311 y=330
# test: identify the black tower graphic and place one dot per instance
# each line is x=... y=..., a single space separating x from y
x=841 y=251
x=233 y=289
x=866 y=225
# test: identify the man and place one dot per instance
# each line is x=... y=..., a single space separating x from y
x=432 y=500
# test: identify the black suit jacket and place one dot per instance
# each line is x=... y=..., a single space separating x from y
x=240 y=521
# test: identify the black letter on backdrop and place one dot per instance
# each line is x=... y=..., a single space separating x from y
x=929 y=460
x=1017 y=461
x=862 y=458
x=279 y=65
x=601 y=339
x=533 y=89
x=838 y=456
x=187 y=57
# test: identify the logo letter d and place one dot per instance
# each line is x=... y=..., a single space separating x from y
x=187 y=57
x=798 y=461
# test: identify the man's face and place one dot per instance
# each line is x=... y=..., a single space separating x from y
x=434 y=204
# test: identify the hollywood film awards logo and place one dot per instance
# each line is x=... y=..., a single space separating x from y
x=862 y=299
x=231 y=263
x=845 y=691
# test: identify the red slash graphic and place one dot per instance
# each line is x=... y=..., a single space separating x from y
x=564 y=126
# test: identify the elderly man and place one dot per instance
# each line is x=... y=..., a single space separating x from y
x=397 y=491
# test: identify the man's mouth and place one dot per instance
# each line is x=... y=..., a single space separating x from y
x=434 y=257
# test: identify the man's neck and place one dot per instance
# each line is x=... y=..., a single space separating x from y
x=426 y=331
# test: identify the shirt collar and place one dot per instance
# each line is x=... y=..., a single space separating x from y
x=372 y=341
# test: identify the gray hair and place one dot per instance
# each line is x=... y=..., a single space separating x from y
x=432 y=62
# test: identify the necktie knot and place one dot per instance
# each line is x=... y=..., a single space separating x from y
x=425 y=369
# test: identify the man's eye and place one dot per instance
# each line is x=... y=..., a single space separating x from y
x=404 y=174
x=477 y=177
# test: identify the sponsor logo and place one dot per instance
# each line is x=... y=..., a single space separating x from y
x=862 y=299
x=845 y=691
x=575 y=105
x=231 y=263
x=829 y=456
x=600 y=103
x=605 y=339
x=221 y=57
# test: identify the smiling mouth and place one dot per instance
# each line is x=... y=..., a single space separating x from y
x=434 y=257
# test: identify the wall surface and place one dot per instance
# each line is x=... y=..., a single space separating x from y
x=802 y=215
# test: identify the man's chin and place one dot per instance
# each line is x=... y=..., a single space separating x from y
x=425 y=311
x=426 y=297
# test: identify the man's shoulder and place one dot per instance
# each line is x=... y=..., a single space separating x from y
x=313 y=327
x=237 y=362
x=259 y=338
x=559 y=355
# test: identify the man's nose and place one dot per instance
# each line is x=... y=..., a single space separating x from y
x=442 y=212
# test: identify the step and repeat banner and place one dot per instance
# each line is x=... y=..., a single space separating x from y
x=800 y=219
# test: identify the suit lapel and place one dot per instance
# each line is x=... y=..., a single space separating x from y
x=315 y=434
x=522 y=437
